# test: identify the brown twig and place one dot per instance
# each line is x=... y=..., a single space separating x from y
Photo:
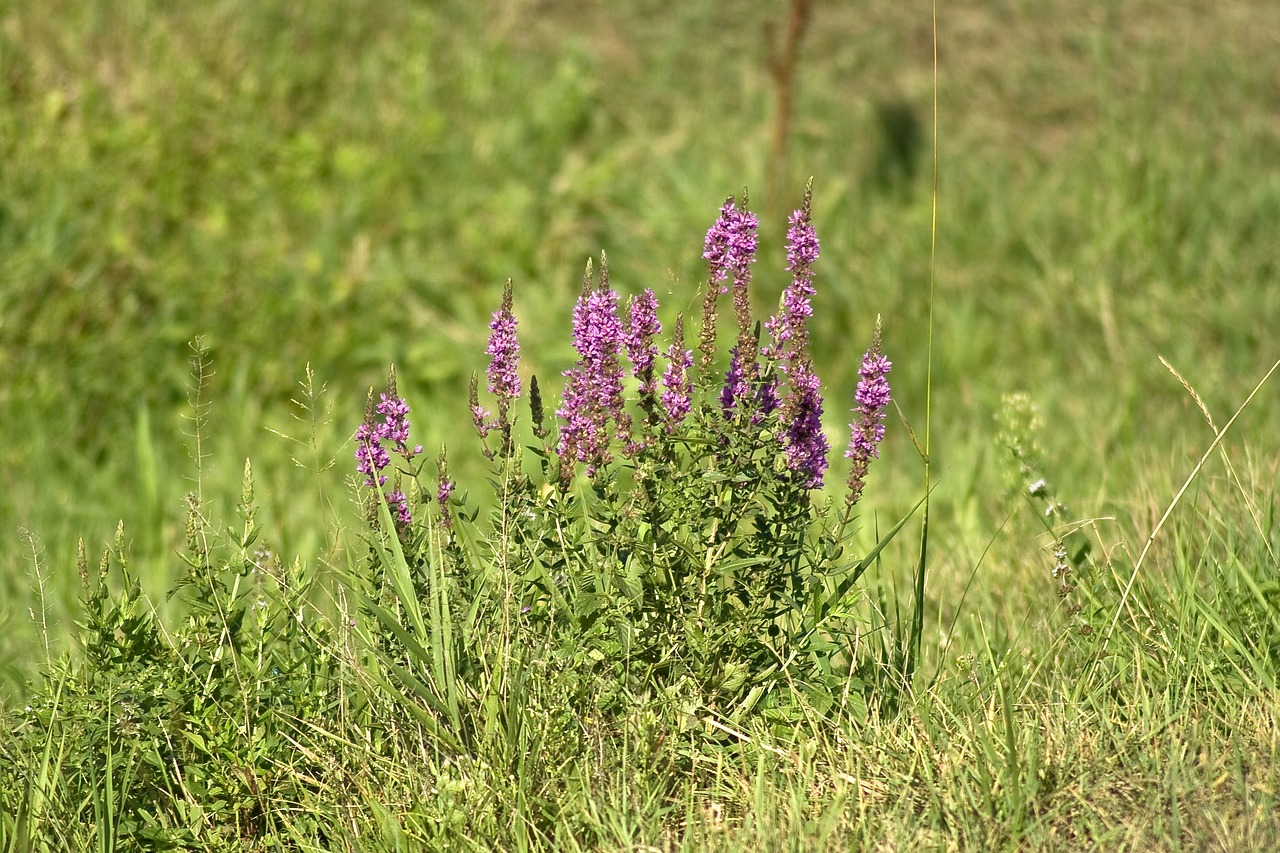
x=782 y=69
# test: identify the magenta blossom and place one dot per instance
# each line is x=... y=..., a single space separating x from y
x=593 y=393
x=730 y=246
x=677 y=389
x=373 y=436
x=504 y=352
x=789 y=330
x=804 y=443
x=872 y=397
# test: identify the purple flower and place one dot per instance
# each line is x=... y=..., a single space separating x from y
x=804 y=444
x=867 y=430
x=802 y=241
x=593 y=393
x=395 y=426
x=735 y=384
x=504 y=352
x=677 y=390
x=372 y=455
x=397 y=501
x=730 y=245
x=504 y=380
x=729 y=249
x=789 y=330
x=767 y=401
x=642 y=328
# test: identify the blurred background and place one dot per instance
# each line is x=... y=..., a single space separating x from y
x=342 y=186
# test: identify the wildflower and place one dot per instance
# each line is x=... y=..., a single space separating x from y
x=1061 y=564
x=788 y=330
x=767 y=401
x=867 y=430
x=396 y=423
x=735 y=383
x=730 y=245
x=676 y=391
x=729 y=249
x=397 y=501
x=804 y=444
x=504 y=350
x=593 y=393
x=642 y=327
x=372 y=455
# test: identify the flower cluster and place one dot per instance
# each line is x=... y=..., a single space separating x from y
x=805 y=445
x=867 y=430
x=643 y=328
x=677 y=389
x=730 y=245
x=735 y=384
x=593 y=393
x=729 y=250
x=387 y=422
x=789 y=331
x=664 y=495
x=593 y=415
x=504 y=380
x=504 y=352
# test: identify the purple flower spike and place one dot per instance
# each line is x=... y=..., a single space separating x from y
x=593 y=393
x=735 y=384
x=789 y=330
x=802 y=241
x=729 y=249
x=804 y=443
x=398 y=502
x=677 y=390
x=395 y=427
x=641 y=331
x=867 y=430
x=642 y=328
x=504 y=380
x=730 y=246
x=767 y=401
x=372 y=455
x=504 y=352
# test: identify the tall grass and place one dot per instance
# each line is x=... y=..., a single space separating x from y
x=320 y=194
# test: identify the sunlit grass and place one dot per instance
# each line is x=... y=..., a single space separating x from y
x=320 y=194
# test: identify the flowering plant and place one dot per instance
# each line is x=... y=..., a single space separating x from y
x=662 y=545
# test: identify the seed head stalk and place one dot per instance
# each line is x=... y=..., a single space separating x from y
x=917 y=616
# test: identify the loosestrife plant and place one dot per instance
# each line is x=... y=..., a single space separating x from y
x=663 y=539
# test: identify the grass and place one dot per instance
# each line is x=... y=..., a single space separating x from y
x=319 y=194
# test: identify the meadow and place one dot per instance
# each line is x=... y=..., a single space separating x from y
x=221 y=224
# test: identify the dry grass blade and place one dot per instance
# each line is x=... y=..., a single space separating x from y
x=1191 y=478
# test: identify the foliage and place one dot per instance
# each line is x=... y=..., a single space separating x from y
x=151 y=741
x=324 y=190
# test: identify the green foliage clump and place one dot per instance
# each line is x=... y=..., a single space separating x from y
x=195 y=740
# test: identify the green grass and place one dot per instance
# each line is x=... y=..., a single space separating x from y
x=320 y=193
